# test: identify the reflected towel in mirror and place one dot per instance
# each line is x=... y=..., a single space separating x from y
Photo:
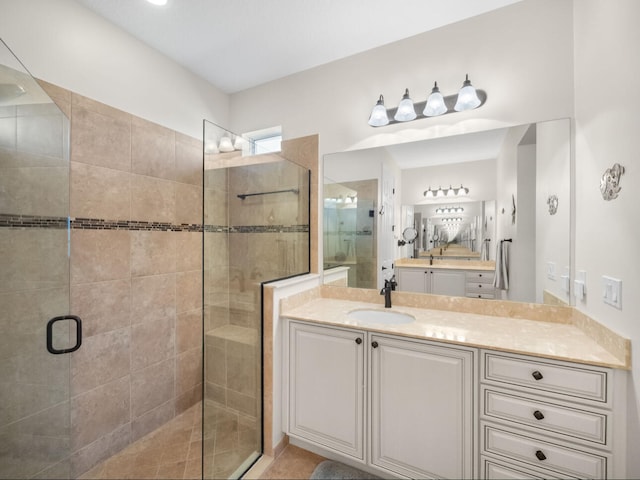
x=501 y=277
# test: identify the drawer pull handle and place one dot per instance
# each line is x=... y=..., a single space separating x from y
x=538 y=414
x=358 y=340
x=541 y=456
x=537 y=375
x=374 y=344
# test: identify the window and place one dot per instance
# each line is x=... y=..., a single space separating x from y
x=264 y=141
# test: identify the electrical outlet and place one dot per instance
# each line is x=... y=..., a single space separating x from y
x=551 y=270
x=612 y=291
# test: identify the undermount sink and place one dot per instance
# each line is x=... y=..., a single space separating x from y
x=386 y=317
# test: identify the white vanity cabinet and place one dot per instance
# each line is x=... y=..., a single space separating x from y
x=421 y=408
x=546 y=419
x=430 y=280
x=326 y=387
x=420 y=421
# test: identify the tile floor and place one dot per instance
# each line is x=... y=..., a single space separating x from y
x=174 y=451
x=293 y=463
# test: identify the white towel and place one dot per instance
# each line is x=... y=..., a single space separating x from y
x=501 y=277
x=484 y=250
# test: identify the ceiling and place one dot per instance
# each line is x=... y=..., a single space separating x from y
x=238 y=44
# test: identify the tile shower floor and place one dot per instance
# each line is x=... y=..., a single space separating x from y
x=174 y=451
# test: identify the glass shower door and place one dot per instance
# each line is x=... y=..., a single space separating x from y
x=34 y=279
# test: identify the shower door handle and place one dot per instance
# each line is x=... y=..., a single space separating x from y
x=50 y=324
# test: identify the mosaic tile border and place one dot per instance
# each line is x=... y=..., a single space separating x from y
x=35 y=221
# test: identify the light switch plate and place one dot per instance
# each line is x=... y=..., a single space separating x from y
x=612 y=291
x=551 y=270
x=580 y=285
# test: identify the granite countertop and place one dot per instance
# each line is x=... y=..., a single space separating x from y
x=446 y=264
x=555 y=340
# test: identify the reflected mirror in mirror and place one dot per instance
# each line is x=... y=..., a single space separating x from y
x=501 y=170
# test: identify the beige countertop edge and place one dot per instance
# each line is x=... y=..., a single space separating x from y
x=558 y=341
x=444 y=267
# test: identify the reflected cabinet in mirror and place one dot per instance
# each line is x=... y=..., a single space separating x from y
x=491 y=210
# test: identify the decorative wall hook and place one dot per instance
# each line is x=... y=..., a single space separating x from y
x=610 y=182
x=552 y=201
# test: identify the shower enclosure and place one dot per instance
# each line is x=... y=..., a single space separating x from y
x=256 y=229
x=34 y=279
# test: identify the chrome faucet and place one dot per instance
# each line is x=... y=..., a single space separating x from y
x=389 y=285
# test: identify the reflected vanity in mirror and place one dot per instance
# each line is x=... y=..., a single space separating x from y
x=458 y=195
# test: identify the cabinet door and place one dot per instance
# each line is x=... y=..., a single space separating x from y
x=412 y=280
x=448 y=282
x=326 y=387
x=421 y=409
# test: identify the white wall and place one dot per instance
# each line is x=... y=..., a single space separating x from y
x=553 y=174
x=607 y=126
x=68 y=45
x=509 y=53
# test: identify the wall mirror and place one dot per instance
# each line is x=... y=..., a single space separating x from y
x=487 y=186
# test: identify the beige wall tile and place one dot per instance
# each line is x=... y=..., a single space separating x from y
x=100 y=135
x=99 y=411
x=98 y=192
x=188 y=160
x=188 y=201
x=99 y=255
x=152 y=199
x=102 y=306
x=188 y=370
x=102 y=359
x=152 y=342
x=152 y=387
x=104 y=447
x=150 y=421
x=242 y=368
x=153 y=298
x=152 y=253
x=189 y=251
x=187 y=400
x=35 y=191
x=243 y=403
x=188 y=330
x=33 y=259
x=153 y=151
x=216 y=205
x=188 y=291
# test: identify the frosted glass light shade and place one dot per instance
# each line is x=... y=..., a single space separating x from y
x=435 y=103
x=226 y=145
x=378 y=117
x=406 y=112
x=467 y=97
x=158 y=2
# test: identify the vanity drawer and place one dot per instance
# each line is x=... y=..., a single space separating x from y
x=544 y=416
x=481 y=295
x=494 y=470
x=561 y=380
x=542 y=454
x=480 y=288
x=480 y=277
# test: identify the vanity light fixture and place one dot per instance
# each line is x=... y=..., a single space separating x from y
x=406 y=111
x=447 y=192
x=467 y=98
x=443 y=210
x=379 y=116
x=160 y=3
x=226 y=145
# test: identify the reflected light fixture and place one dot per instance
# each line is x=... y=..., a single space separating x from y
x=379 y=115
x=467 y=97
x=436 y=104
x=406 y=111
x=446 y=192
x=158 y=2
x=226 y=145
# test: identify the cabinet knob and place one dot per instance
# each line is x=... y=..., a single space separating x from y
x=538 y=414
x=479 y=285
x=358 y=340
x=537 y=375
x=374 y=344
x=480 y=275
x=541 y=456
